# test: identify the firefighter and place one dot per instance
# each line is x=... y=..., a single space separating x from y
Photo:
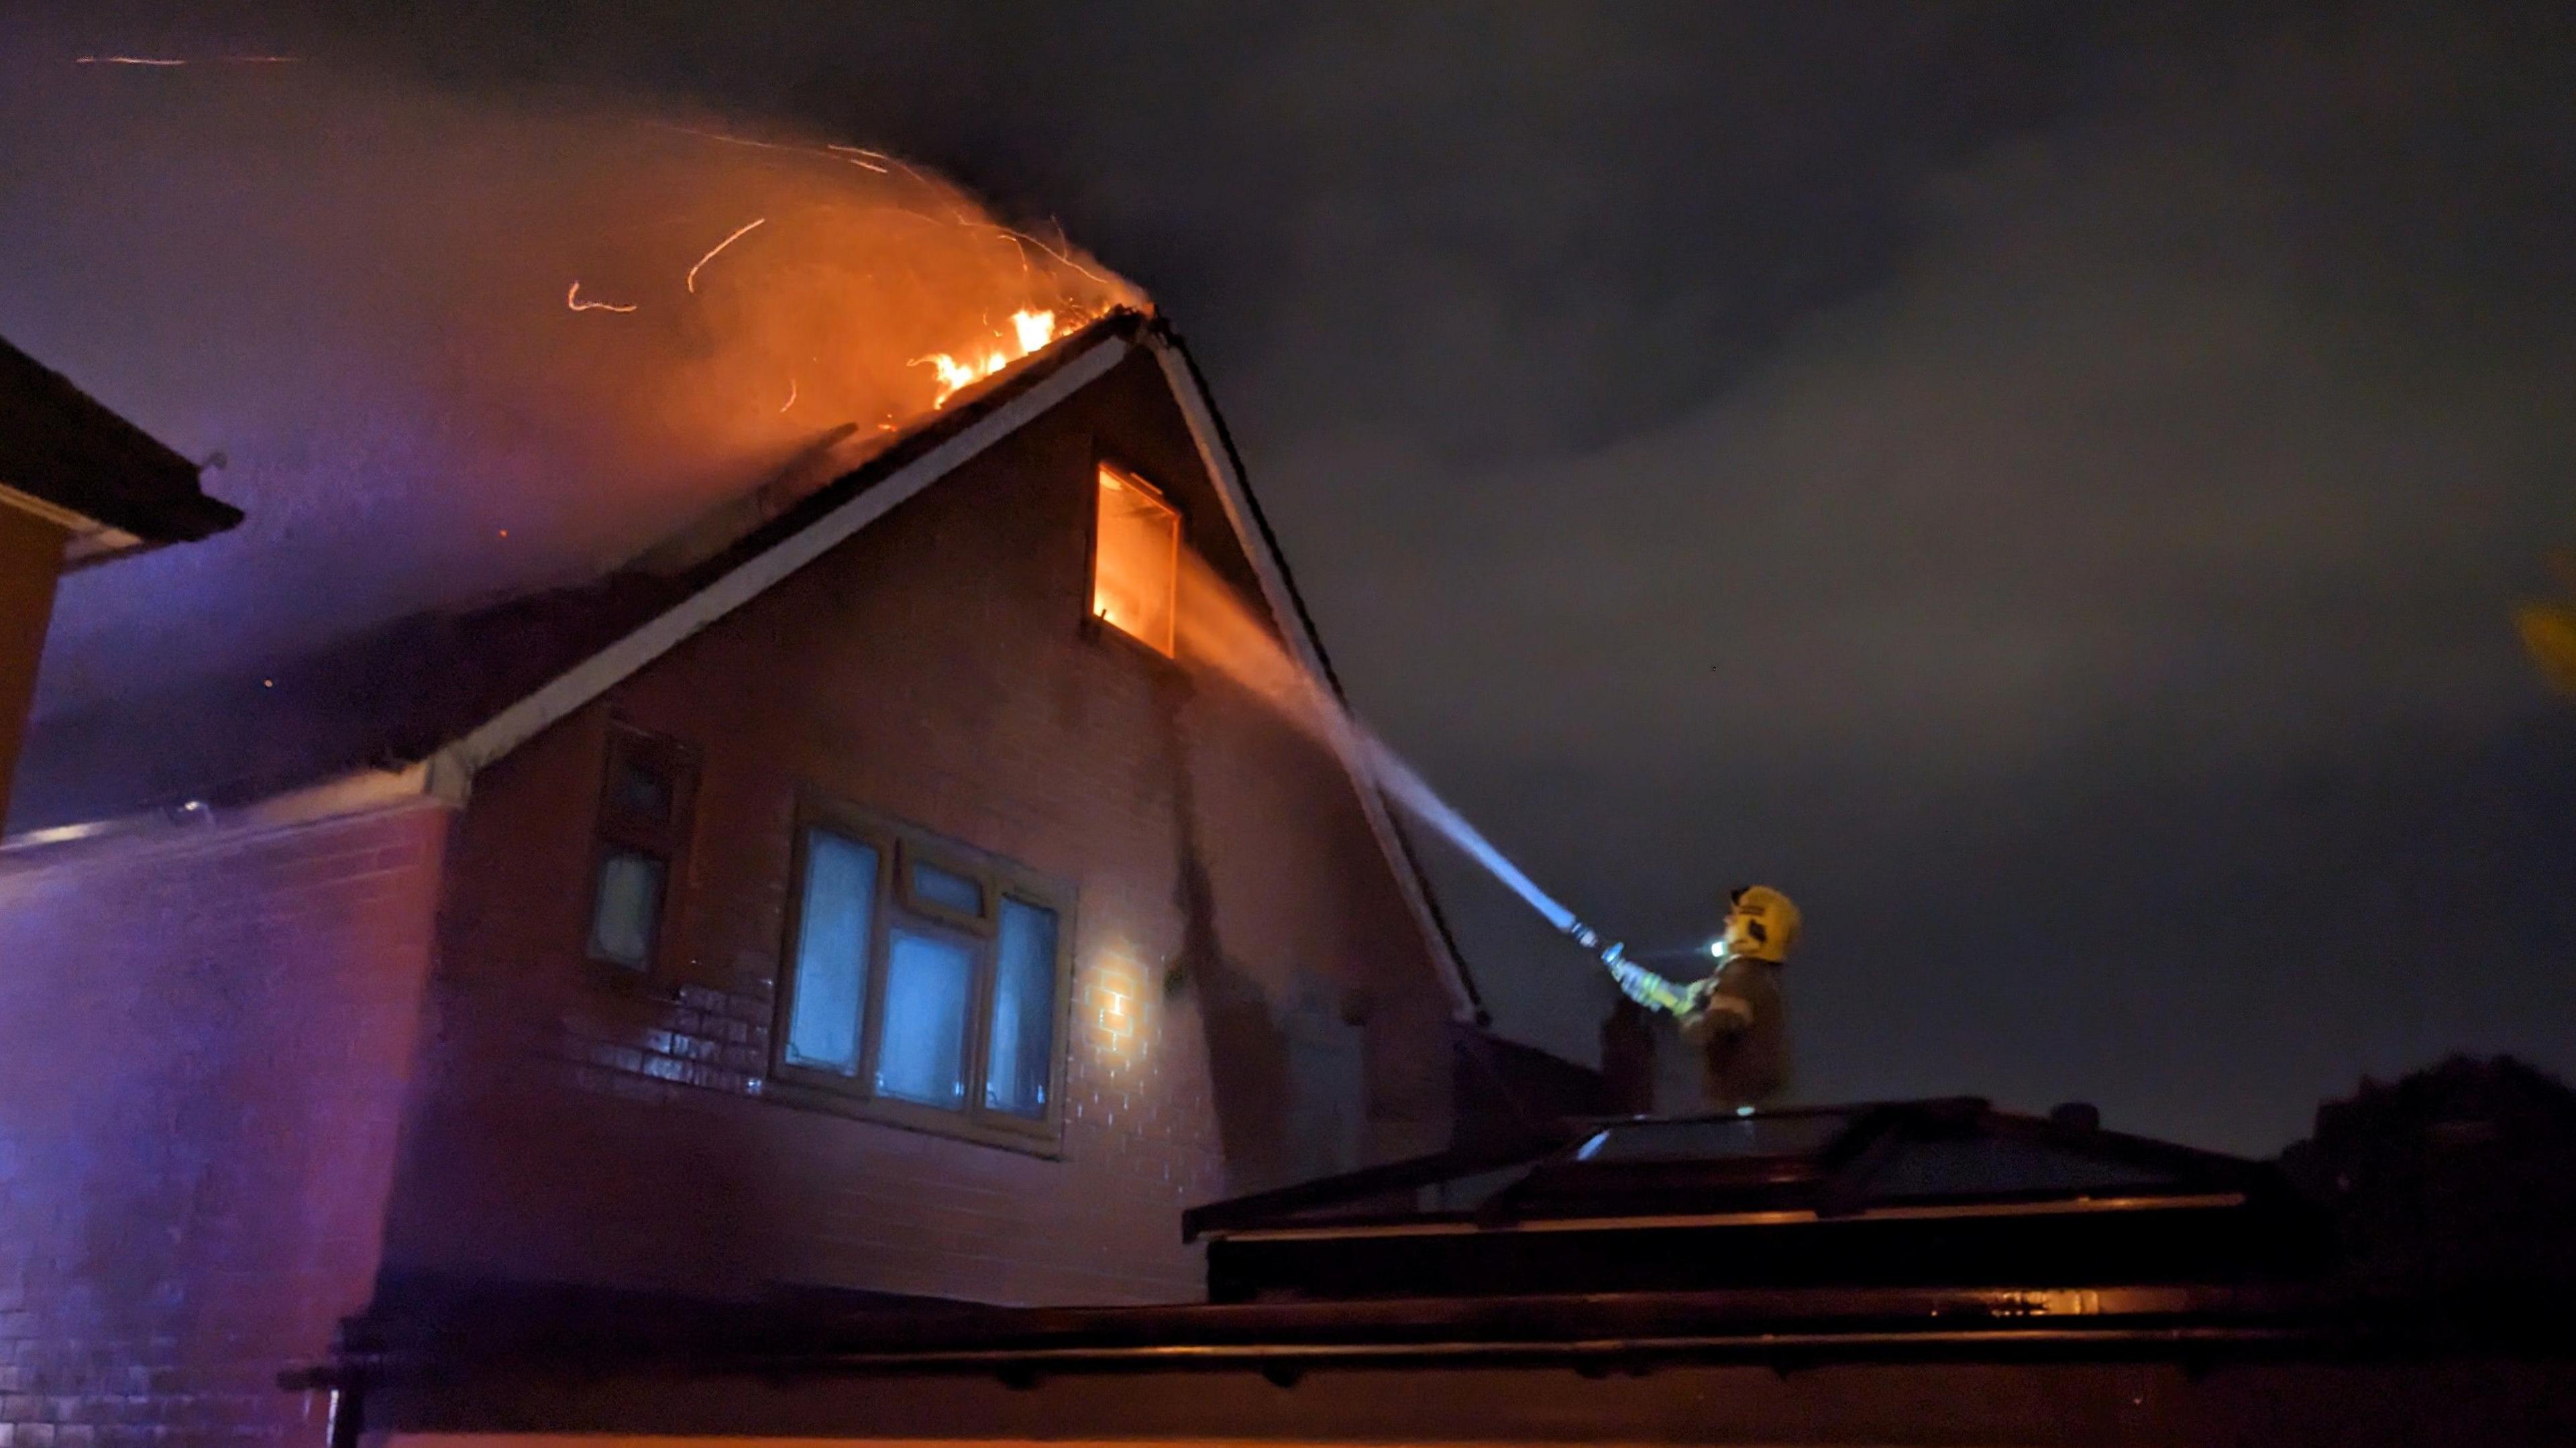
x=1735 y=1017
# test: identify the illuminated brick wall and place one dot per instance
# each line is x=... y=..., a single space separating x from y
x=1232 y=911
x=203 y=1045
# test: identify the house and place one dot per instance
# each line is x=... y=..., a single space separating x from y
x=863 y=897
x=78 y=485
x=1918 y=1272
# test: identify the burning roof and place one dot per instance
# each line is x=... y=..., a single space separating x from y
x=396 y=692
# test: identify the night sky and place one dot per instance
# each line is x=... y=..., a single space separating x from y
x=2045 y=485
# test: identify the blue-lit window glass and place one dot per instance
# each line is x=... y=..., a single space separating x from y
x=947 y=889
x=829 y=992
x=625 y=908
x=1022 y=1044
x=930 y=978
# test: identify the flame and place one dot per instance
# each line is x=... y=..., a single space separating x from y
x=1030 y=331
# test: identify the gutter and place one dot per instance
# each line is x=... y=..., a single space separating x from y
x=1844 y=1323
x=355 y=792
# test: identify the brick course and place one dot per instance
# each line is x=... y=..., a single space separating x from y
x=204 y=1043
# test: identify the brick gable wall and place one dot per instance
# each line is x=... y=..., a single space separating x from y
x=1251 y=999
x=204 y=1042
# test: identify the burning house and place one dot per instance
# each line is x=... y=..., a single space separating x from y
x=861 y=897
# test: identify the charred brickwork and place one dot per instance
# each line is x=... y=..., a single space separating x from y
x=204 y=1043
x=1231 y=914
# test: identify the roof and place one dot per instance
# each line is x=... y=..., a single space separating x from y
x=443 y=694
x=111 y=483
x=1948 y=1193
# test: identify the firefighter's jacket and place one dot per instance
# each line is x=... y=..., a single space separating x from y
x=1739 y=1022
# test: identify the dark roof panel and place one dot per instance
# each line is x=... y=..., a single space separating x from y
x=1947 y=1192
x=60 y=446
x=1718 y=1138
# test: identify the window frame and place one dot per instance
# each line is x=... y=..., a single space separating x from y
x=898 y=844
x=1091 y=616
x=613 y=828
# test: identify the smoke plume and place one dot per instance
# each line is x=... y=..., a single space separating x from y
x=440 y=349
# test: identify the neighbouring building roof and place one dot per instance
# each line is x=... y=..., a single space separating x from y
x=67 y=456
x=1931 y=1270
x=1899 y=1194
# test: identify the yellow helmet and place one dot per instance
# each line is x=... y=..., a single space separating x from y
x=1761 y=924
x=2550 y=633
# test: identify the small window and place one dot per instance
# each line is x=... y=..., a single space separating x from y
x=626 y=912
x=643 y=828
x=946 y=892
x=1136 y=555
x=930 y=993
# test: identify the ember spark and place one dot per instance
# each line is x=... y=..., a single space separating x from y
x=738 y=234
x=572 y=299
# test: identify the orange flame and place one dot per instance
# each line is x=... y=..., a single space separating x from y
x=1030 y=331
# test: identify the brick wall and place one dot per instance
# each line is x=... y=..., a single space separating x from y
x=1233 y=911
x=203 y=1045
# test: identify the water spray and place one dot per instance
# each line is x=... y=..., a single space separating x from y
x=1401 y=783
x=1223 y=632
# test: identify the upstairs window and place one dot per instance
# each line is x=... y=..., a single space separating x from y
x=1135 y=560
x=643 y=831
x=925 y=982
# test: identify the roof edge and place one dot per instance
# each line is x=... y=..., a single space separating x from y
x=461 y=760
x=359 y=791
x=1225 y=468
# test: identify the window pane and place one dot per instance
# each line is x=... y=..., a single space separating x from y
x=929 y=979
x=1015 y=1076
x=948 y=889
x=1138 y=554
x=830 y=989
x=642 y=791
x=625 y=909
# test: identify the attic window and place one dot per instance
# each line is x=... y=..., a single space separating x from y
x=1135 y=561
x=643 y=828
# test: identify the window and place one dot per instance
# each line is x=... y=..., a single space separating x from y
x=925 y=982
x=643 y=830
x=1135 y=562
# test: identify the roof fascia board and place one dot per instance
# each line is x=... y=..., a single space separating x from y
x=1217 y=456
x=453 y=768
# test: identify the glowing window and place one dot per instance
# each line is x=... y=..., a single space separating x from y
x=929 y=993
x=1136 y=556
